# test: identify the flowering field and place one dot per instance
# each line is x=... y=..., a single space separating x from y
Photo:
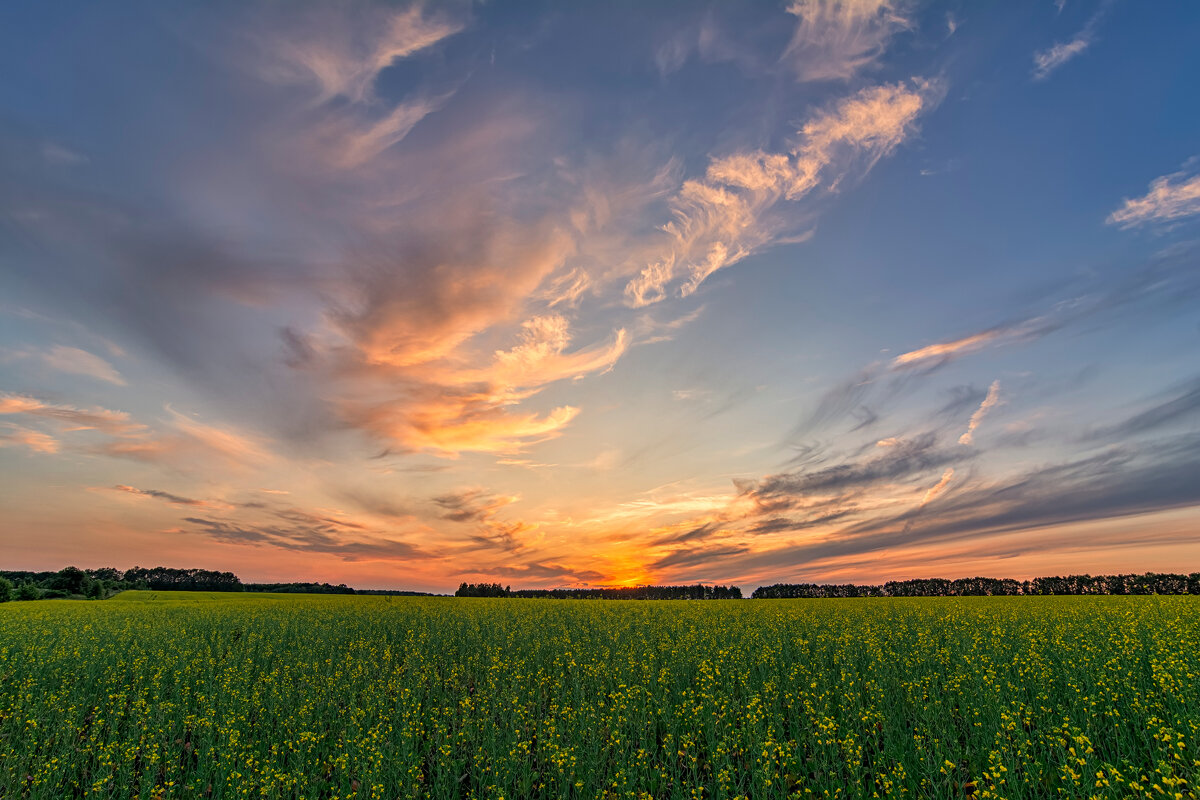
x=195 y=695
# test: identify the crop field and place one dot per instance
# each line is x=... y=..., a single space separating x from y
x=271 y=696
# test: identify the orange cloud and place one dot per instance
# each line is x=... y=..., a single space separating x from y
x=70 y=418
x=944 y=349
x=1171 y=197
x=732 y=213
x=36 y=441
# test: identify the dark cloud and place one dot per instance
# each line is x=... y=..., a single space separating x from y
x=542 y=571
x=305 y=538
x=479 y=508
x=374 y=504
x=173 y=499
x=1182 y=404
x=1120 y=482
x=961 y=400
x=905 y=459
x=686 y=557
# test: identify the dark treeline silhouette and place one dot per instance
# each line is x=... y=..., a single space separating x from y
x=1148 y=583
x=697 y=592
x=97 y=584
x=326 y=588
x=299 y=588
x=167 y=579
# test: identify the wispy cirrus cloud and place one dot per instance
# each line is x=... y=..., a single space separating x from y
x=183 y=440
x=71 y=360
x=12 y=435
x=170 y=498
x=323 y=539
x=179 y=440
x=1047 y=61
x=70 y=418
x=729 y=214
x=993 y=397
x=1170 y=198
x=479 y=508
x=836 y=39
x=340 y=55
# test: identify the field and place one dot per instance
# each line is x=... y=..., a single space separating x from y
x=192 y=695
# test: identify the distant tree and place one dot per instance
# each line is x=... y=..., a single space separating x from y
x=6 y=590
x=29 y=591
x=70 y=580
x=482 y=590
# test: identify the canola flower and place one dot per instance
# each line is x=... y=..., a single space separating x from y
x=179 y=695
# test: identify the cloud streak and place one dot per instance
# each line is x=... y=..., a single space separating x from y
x=1047 y=61
x=1170 y=198
x=992 y=398
x=731 y=213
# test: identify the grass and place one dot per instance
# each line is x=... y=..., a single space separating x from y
x=157 y=695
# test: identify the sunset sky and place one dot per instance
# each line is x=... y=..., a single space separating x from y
x=561 y=294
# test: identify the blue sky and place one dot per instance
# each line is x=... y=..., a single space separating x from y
x=561 y=294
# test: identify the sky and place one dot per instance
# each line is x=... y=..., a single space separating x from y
x=600 y=293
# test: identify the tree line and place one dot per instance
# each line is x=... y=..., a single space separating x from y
x=697 y=592
x=1146 y=583
x=97 y=584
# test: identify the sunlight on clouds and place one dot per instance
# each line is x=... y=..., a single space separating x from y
x=993 y=397
x=69 y=418
x=37 y=442
x=730 y=214
x=1047 y=61
x=1171 y=197
x=946 y=349
x=342 y=54
x=834 y=39
x=938 y=487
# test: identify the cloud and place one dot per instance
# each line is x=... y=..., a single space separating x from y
x=900 y=460
x=348 y=141
x=471 y=505
x=993 y=397
x=37 y=442
x=81 y=362
x=541 y=571
x=1123 y=481
x=185 y=442
x=1182 y=404
x=943 y=350
x=938 y=487
x=340 y=55
x=61 y=156
x=479 y=508
x=179 y=442
x=1171 y=197
x=69 y=418
x=172 y=499
x=836 y=39
x=1047 y=61
x=730 y=214
x=321 y=538
x=690 y=557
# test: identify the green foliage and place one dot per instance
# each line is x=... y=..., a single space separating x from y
x=219 y=695
x=29 y=591
x=6 y=590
